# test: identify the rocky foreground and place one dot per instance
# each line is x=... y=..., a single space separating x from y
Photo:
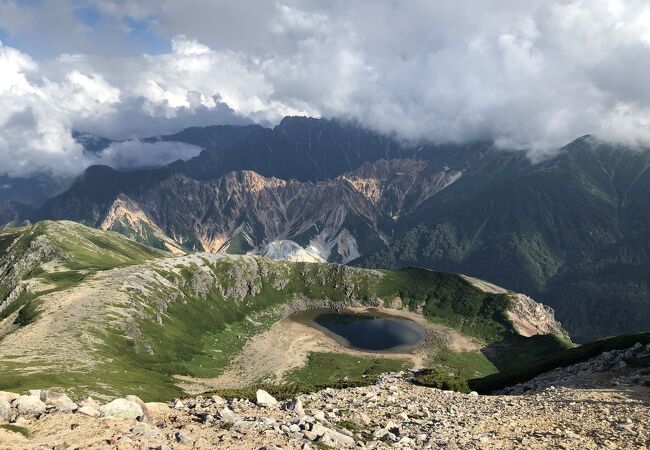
x=602 y=403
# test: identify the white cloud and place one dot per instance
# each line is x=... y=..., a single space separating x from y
x=532 y=74
x=136 y=154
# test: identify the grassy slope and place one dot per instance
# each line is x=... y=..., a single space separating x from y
x=81 y=251
x=327 y=368
x=562 y=358
x=198 y=330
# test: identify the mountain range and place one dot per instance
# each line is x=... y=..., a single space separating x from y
x=570 y=230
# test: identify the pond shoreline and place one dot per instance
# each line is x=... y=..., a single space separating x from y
x=309 y=318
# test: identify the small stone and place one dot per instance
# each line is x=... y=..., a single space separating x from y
x=295 y=405
x=125 y=440
x=205 y=417
x=179 y=405
x=217 y=400
x=146 y=431
x=88 y=401
x=310 y=435
x=183 y=438
x=227 y=415
x=473 y=394
x=265 y=399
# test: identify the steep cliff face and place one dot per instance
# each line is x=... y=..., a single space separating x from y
x=334 y=220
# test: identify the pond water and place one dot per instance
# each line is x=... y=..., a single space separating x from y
x=375 y=332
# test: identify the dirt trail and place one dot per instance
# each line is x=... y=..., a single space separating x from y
x=287 y=344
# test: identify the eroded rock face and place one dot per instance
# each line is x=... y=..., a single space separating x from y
x=531 y=318
x=528 y=316
x=244 y=211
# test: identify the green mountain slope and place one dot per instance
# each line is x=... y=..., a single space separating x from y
x=105 y=315
x=571 y=231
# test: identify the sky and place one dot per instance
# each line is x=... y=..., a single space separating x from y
x=530 y=75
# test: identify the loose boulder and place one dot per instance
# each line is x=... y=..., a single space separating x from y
x=61 y=402
x=122 y=408
x=295 y=405
x=29 y=405
x=6 y=413
x=157 y=409
x=265 y=399
x=8 y=396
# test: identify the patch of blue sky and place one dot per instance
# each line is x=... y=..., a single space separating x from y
x=143 y=32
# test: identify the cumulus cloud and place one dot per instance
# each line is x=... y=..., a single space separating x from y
x=530 y=75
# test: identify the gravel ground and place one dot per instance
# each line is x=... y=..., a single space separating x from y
x=390 y=414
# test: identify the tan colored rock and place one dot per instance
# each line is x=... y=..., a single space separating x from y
x=157 y=409
x=88 y=401
x=6 y=412
x=122 y=408
x=61 y=402
x=265 y=399
x=8 y=396
x=89 y=411
x=29 y=405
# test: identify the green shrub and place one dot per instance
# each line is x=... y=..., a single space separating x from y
x=439 y=379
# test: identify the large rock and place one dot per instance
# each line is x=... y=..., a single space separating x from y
x=8 y=396
x=61 y=402
x=156 y=409
x=295 y=405
x=332 y=437
x=227 y=415
x=29 y=405
x=265 y=399
x=6 y=413
x=122 y=408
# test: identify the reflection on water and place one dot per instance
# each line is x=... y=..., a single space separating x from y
x=370 y=332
